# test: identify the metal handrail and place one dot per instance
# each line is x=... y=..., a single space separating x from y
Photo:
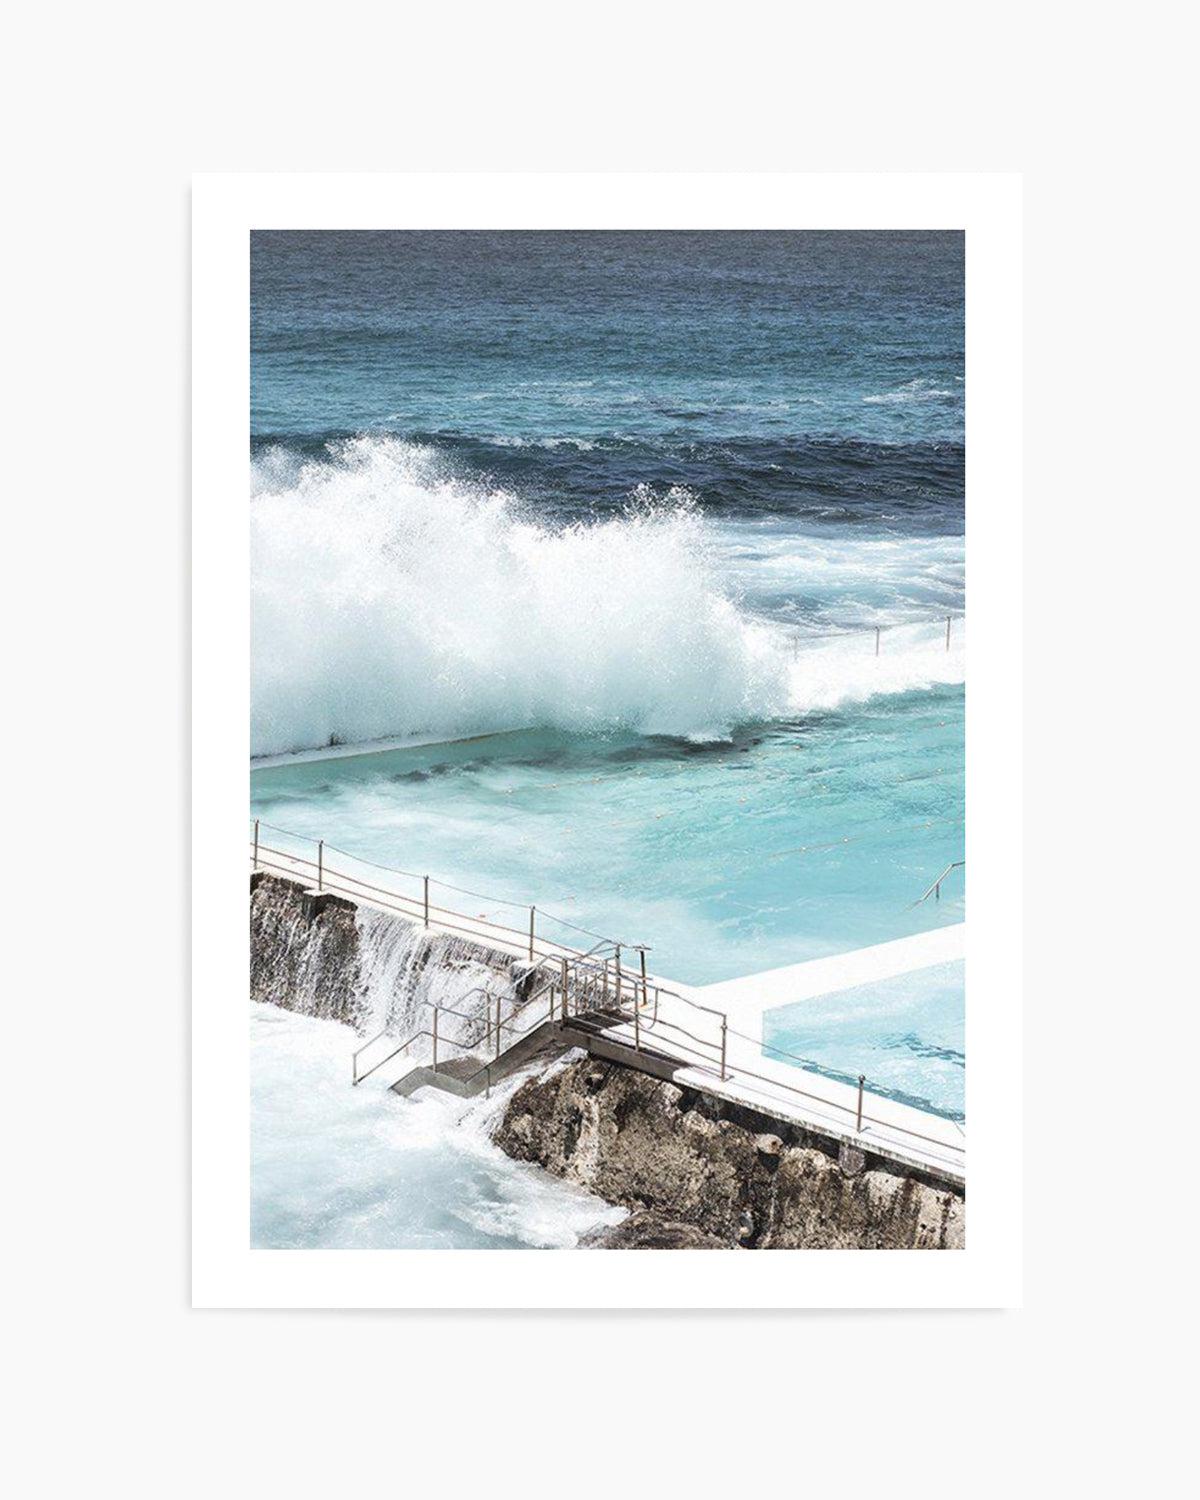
x=517 y=1007
x=714 y=1064
x=821 y=1099
x=935 y=890
x=410 y=908
x=592 y=963
x=423 y=902
x=357 y=1077
x=817 y=636
x=808 y=1064
x=370 y=1042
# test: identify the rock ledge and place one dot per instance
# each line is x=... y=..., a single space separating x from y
x=698 y=1175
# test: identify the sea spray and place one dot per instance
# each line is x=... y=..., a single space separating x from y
x=390 y=600
x=392 y=597
x=404 y=972
x=335 y=1167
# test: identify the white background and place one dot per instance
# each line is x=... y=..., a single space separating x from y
x=107 y=113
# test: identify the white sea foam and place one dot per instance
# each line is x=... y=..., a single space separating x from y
x=335 y=1167
x=911 y=390
x=581 y=445
x=390 y=598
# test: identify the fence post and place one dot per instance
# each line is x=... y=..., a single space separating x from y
x=862 y=1078
x=724 y=1029
x=427 y=900
x=617 y=964
x=877 y=640
x=564 y=990
x=435 y=1016
x=645 y=992
x=256 y=843
x=532 y=910
x=637 y=1023
x=947 y=632
x=320 y=862
x=497 y=1025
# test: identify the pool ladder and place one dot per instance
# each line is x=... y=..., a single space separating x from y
x=935 y=890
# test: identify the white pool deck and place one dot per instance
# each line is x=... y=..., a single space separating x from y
x=890 y=1127
x=780 y=1089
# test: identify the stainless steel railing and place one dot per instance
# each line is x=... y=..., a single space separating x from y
x=579 y=981
x=817 y=637
x=935 y=890
x=342 y=882
x=575 y=988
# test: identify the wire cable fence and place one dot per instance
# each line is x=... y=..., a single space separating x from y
x=598 y=981
x=875 y=631
x=418 y=898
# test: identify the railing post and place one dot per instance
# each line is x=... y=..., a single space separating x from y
x=862 y=1078
x=320 y=862
x=604 y=985
x=645 y=992
x=256 y=843
x=564 y=990
x=435 y=1016
x=724 y=1029
x=637 y=1024
x=427 y=900
x=532 y=911
x=877 y=640
x=947 y=632
x=497 y=1025
x=617 y=966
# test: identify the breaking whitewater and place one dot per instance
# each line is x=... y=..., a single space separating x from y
x=395 y=598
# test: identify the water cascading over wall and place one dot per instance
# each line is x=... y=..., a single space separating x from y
x=324 y=956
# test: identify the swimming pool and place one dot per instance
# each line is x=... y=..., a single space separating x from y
x=907 y=1034
x=788 y=842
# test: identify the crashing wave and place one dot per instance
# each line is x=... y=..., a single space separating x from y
x=392 y=598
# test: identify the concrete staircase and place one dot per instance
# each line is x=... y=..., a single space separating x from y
x=471 y=1075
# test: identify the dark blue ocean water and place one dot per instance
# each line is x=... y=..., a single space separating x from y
x=815 y=374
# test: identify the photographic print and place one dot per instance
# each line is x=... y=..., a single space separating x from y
x=607 y=817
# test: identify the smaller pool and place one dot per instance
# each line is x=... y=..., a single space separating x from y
x=907 y=1034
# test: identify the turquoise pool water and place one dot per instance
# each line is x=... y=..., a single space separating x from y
x=790 y=841
x=906 y=1034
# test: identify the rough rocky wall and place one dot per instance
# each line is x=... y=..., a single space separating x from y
x=325 y=956
x=304 y=955
x=646 y=1230
x=698 y=1179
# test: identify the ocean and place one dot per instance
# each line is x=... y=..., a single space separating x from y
x=658 y=539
